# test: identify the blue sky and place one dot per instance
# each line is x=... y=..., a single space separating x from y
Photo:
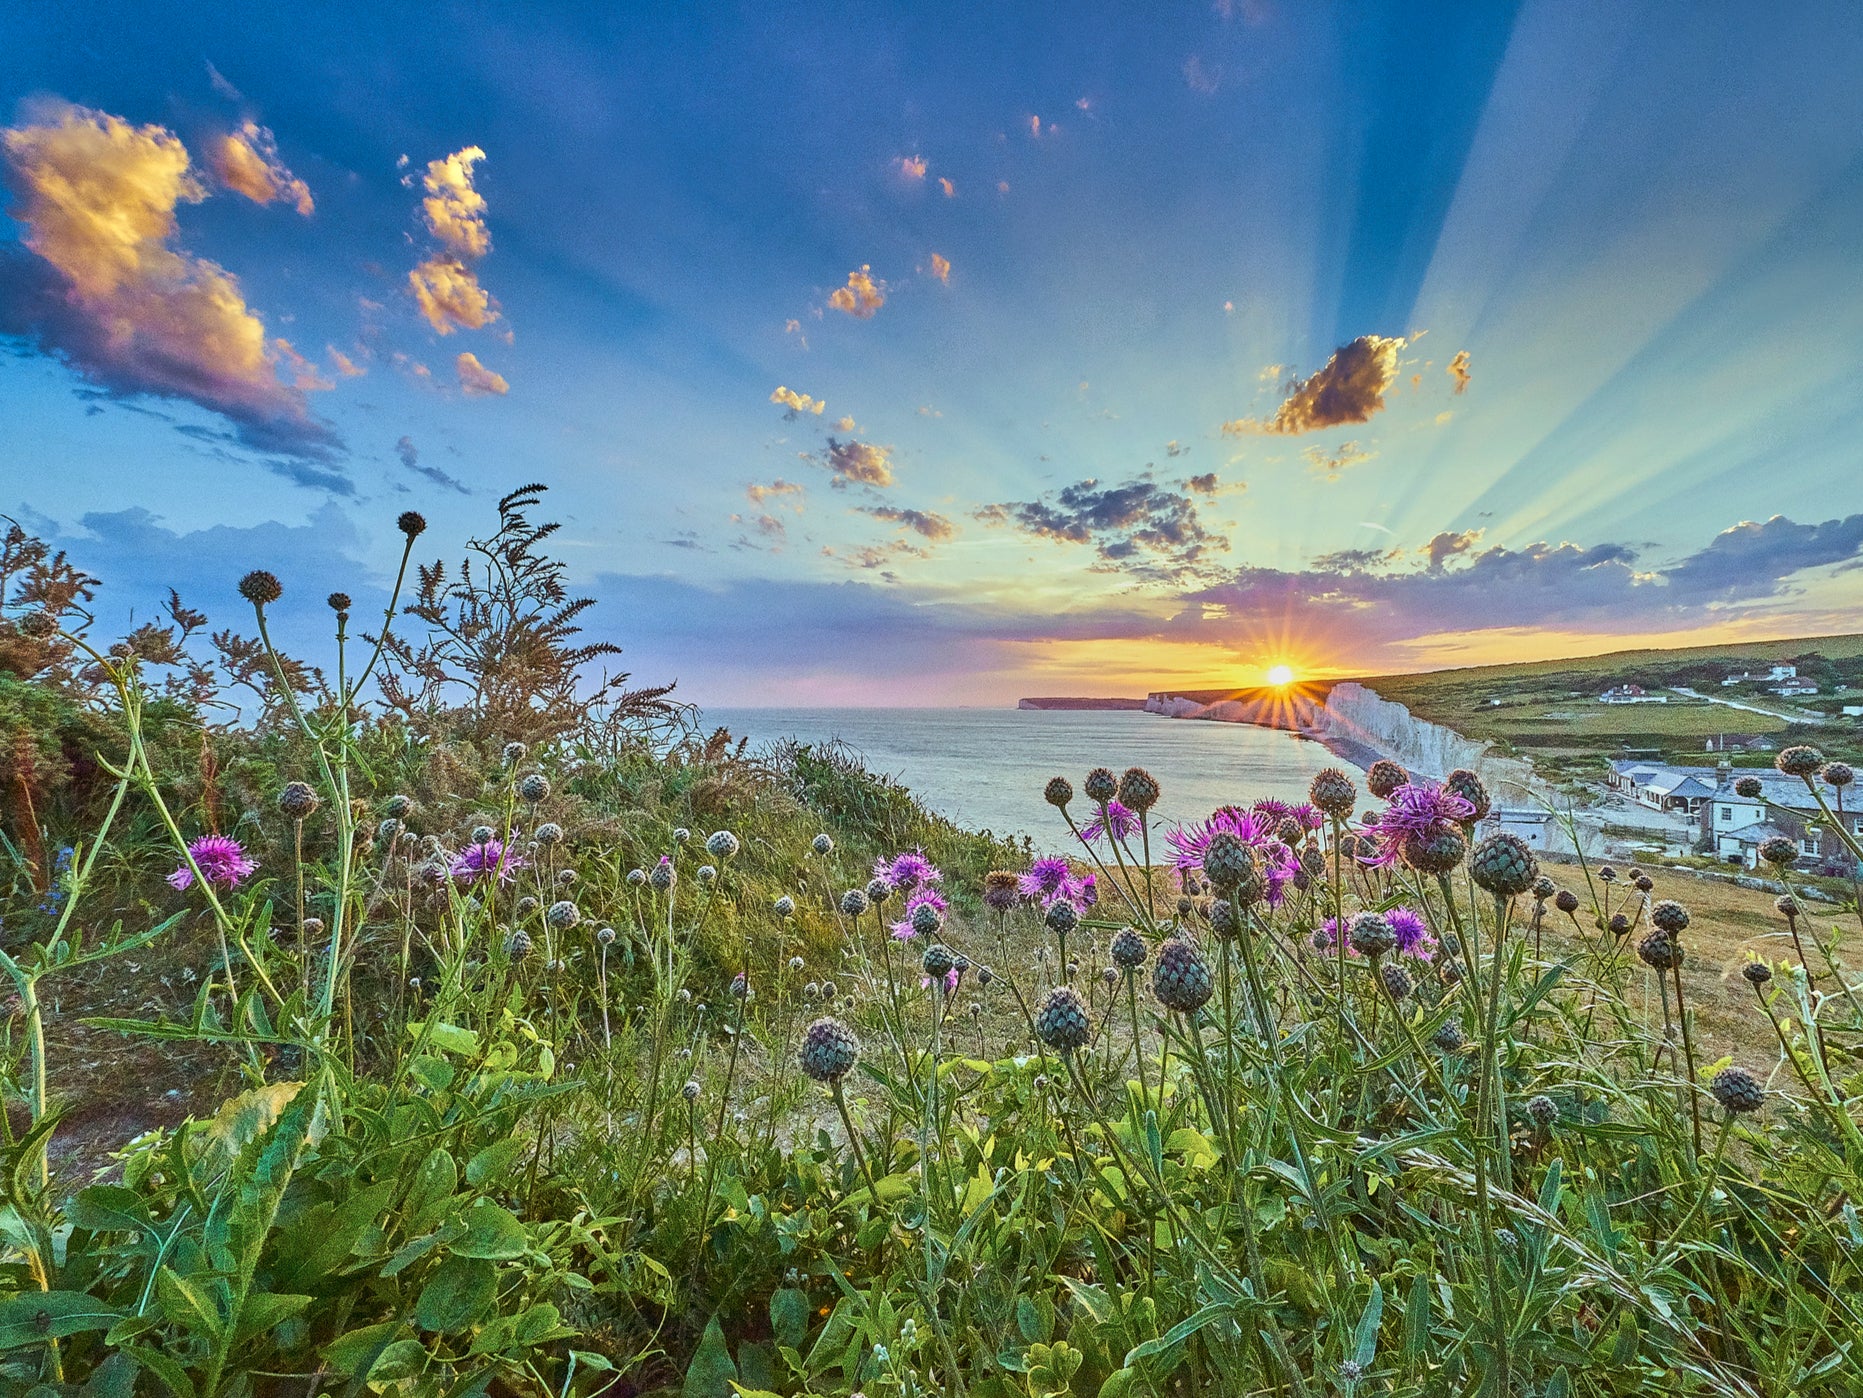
x=1362 y=337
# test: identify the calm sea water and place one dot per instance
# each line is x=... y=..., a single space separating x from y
x=985 y=768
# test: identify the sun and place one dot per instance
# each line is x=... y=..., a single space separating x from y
x=1280 y=675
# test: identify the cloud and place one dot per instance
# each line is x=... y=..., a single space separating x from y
x=793 y=326
x=858 y=463
x=1364 y=600
x=1450 y=544
x=1201 y=79
x=345 y=366
x=1458 y=370
x=410 y=458
x=911 y=167
x=845 y=425
x=109 y=291
x=941 y=268
x=1141 y=528
x=796 y=403
x=475 y=380
x=950 y=189
x=1205 y=484
x=246 y=162
x=449 y=295
x=444 y=285
x=861 y=297
x=1342 y=457
x=1350 y=388
x=778 y=490
x=927 y=524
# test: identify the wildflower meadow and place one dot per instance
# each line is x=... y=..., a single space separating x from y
x=552 y=1046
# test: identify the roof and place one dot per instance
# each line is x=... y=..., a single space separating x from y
x=1758 y=834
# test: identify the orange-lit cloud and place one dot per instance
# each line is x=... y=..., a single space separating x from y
x=941 y=268
x=858 y=463
x=1341 y=458
x=796 y=403
x=911 y=167
x=246 y=162
x=950 y=189
x=445 y=285
x=1458 y=370
x=345 y=366
x=777 y=490
x=475 y=380
x=862 y=295
x=114 y=295
x=927 y=524
x=1350 y=388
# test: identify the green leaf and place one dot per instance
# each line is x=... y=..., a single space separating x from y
x=1119 y=1383
x=188 y=1305
x=1183 y=1330
x=491 y=1232
x=110 y=1208
x=172 y=1376
x=1417 y=1318
x=264 y=1309
x=461 y=1290
x=37 y=1316
x=320 y=1241
x=401 y=1360
x=436 y=1179
x=114 y=1378
x=1035 y=1318
x=711 y=1373
x=493 y=1161
x=1365 y=1343
x=448 y=1038
x=789 y=1316
x=357 y=1351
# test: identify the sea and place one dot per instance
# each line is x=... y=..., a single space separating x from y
x=985 y=768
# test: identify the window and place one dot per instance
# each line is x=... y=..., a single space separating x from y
x=1809 y=844
x=1727 y=814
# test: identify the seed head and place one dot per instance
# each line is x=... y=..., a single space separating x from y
x=721 y=844
x=1101 y=785
x=260 y=587
x=1383 y=777
x=1543 y=888
x=605 y=936
x=1397 y=982
x=397 y=807
x=1138 y=789
x=1643 y=882
x=483 y=834
x=1800 y=760
x=1779 y=850
x=1757 y=973
x=550 y=833
x=1062 y=917
x=1788 y=905
x=938 y=961
x=298 y=800
x=1566 y=901
x=1619 y=925
x=878 y=891
x=1838 y=774
x=1748 y=787
x=517 y=945
x=1224 y=922
x=1737 y=1090
x=662 y=877
x=853 y=902
x=1658 y=952
x=534 y=787
x=1503 y=865
x=1669 y=916
x=707 y=875
x=926 y=920
x=1181 y=978
x=1058 y=792
x=1542 y=1109
x=829 y=1050
x=1471 y=789
x=636 y=877
x=410 y=523
x=1332 y=792
x=1448 y=1036
x=1061 y=1023
x=1434 y=852
x=1229 y=863
x=691 y=1090
x=1002 y=890
x=822 y=844
x=784 y=906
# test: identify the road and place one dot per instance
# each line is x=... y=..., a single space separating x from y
x=1791 y=714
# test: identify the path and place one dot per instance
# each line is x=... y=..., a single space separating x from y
x=1790 y=714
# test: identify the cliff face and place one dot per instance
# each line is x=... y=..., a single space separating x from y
x=1355 y=712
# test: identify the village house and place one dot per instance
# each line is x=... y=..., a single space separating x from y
x=1631 y=694
x=1732 y=826
x=1772 y=676
x=1739 y=742
x=1792 y=689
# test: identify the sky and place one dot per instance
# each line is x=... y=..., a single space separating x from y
x=945 y=355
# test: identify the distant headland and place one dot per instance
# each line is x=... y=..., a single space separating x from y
x=1078 y=703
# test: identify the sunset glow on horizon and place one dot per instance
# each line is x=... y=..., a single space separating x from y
x=951 y=365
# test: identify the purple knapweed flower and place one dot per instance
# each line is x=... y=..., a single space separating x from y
x=485 y=860
x=221 y=860
x=1046 y=879
x=903 y=930
x=1255 y=828
x=950 y=980
x=1413 y=933
x=906 y=871
x=1415 y=810
x=1120 y=820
